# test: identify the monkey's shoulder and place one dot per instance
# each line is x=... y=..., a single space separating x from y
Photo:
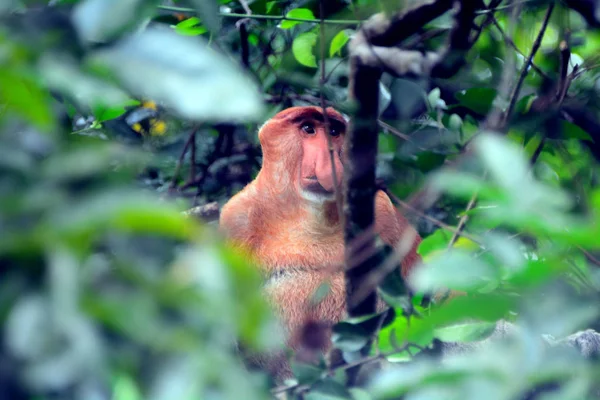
x=235 y=215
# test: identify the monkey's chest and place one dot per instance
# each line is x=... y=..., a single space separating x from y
x=290 y=252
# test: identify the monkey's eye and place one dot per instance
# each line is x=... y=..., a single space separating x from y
x=334 y=132
x=308 y=128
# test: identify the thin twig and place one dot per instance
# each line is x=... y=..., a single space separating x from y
x=400 y=135
x=506 y=7
x=394 y=131
x=512 y=44
x=187 y=144
x=193 y=158
x=463 y=220
x=342 y=367
x=538 y=151
x=187 y=10
x=494 y=119
x=244 y=5
x=486 y=22
x=565 y=77
x=589 y=256
x=435 y=221
x=536 y=45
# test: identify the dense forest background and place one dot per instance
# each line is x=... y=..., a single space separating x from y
x=118 y=117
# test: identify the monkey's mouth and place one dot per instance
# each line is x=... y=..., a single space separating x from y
x=312 y=186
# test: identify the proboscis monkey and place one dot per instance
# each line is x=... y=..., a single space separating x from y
x=287 y=218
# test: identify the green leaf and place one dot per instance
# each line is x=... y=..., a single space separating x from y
x=99 y=20
x=454 y=269
x=462 y=185
x=572 y=131
x=455 y=122
x=428 y=161
x=86 y=162
x=188 y=23
x=387 y=144
x=477 y=99
x=422 y=380
x=359 y=394
x=303 y=49
x=349 y=337
x=328 y=389
x=182 y=73
x=305 y=373
x=465 y=332
x=400 y=332
x=208 y=10
x=338 y=42
x=434 y=100
x=438 y=240
x=102 y=113
x=190 y=27
x=300 y=13
x=125 y=388
x=23 y=96
x=117 y=210
x=475 y=307
x=509 y=168
x=269 y=6
x=524 y=104
x=86 y=89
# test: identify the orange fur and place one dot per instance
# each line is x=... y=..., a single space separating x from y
x=299 y=243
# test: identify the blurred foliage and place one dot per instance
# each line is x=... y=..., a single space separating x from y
x=116 y=115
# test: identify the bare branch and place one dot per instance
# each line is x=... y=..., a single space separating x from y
x=536 y=45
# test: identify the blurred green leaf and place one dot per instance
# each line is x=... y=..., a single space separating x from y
x=86 y=90
x=181 y=73
x=125 y=388
x=359 y=394
x=23 y=96
x=328 y=390
x=100 y=20
x=91 y=159
x=438 y=240
x=349 y=337
x=303 y=48
x=338 y=42
x=191 y=27
x=465 y=332
x=478 y=99
x=572 y=131
x=305 y=373
x=300 y=13
x=119 y=209
x=454 y=269
x=208 y=10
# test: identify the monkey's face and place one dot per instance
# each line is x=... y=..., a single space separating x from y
x=297 y=141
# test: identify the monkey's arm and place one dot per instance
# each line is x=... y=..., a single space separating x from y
x=393 y=228
x=396 y=231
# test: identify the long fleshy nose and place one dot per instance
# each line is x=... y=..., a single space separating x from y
x=321 y=162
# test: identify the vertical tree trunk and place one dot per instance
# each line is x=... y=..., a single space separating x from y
x=359 y=180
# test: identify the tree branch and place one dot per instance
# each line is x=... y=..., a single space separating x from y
x=536 y=45
x=186 y=10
